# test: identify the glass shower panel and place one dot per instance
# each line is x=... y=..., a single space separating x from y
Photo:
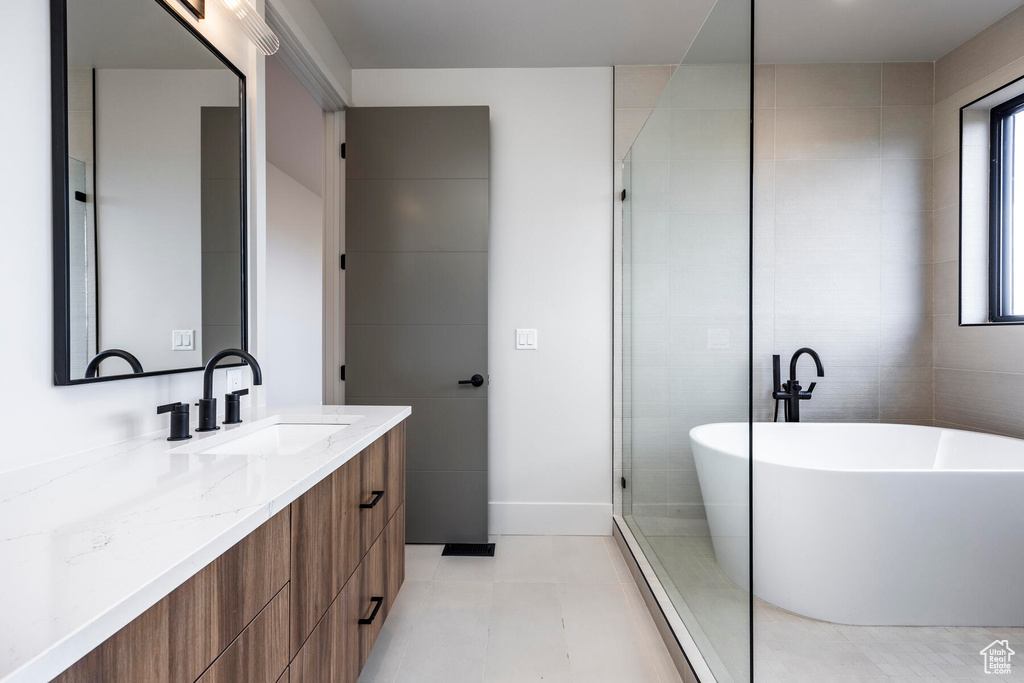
x=625 y=337
x=686 y=359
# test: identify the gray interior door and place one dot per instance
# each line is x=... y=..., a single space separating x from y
x=416 y=233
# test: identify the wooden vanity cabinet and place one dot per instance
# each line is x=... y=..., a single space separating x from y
x=336 y=523
x=340 y=644
x=394 y=555
x=373 y=494
x=395 y=440
x=284 y=604
x=325 y=546
x=179 y=637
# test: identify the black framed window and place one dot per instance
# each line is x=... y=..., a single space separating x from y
x=1006 y=212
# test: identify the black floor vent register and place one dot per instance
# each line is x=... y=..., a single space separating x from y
x=468 y=550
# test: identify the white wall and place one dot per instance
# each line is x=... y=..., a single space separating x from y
x=294 y=128
x=41 y=420
x=293 y=362
x=550 y=410
x=149 y=205
x=295 y=241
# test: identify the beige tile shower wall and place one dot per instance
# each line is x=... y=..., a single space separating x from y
x=843 y=256
x=979 y=370
x=842 y=221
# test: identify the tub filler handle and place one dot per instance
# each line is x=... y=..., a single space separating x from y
x=791 y=393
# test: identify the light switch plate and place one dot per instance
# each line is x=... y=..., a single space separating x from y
x=183 y=340
x=234 y=378
x=526 y=340
x=718 y=338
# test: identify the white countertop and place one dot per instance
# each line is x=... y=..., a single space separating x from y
x=92 y=540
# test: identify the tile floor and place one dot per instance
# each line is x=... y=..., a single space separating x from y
x=719 y=612
x=558 y=609
x=793 y=649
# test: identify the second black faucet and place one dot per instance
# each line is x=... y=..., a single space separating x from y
x=208 y=404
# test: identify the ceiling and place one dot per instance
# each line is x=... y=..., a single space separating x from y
x=512 y=33
x=870 y=30
x=544 y=33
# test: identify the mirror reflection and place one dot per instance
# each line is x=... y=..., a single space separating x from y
x=155 y=193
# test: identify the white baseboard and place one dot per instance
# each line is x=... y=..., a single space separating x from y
x=550 y=519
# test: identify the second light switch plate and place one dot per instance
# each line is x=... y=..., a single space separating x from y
x=183 y=340
x=526 y=340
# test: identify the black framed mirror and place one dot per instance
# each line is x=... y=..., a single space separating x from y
x=149 y=193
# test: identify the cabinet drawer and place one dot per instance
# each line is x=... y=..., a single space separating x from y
x=260 y=653
x=332 y=530
x=374 y=495
x=179 y=637
x=338 y=647
x=381 y=574
x=394 y=554
x=373 y=600
x=331 y=653
x=325 y=547
x=205 y=617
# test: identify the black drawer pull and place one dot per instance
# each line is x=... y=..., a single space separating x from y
x=376 y=608
x=377 y=495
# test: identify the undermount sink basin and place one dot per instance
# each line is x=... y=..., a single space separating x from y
x=276 y=439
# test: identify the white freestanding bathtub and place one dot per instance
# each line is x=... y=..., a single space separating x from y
x=870 y=524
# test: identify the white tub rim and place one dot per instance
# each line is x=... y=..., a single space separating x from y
x=698 y=434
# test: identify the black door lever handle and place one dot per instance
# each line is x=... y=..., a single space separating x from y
x=475 y=380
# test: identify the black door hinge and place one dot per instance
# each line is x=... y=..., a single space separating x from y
x=623 y=481
x=343 y=262
x=623 y=195
x=343 y=150
x=342 y=373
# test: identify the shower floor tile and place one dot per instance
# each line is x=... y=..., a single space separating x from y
x=789 y=648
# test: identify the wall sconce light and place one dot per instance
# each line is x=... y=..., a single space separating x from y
x=246 y=16
x=196 y=8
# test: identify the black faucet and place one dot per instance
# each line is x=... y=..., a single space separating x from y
x=94 y=365
x=208 y=404
x=791 y=392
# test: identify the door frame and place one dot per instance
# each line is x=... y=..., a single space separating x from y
x=334 y=248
